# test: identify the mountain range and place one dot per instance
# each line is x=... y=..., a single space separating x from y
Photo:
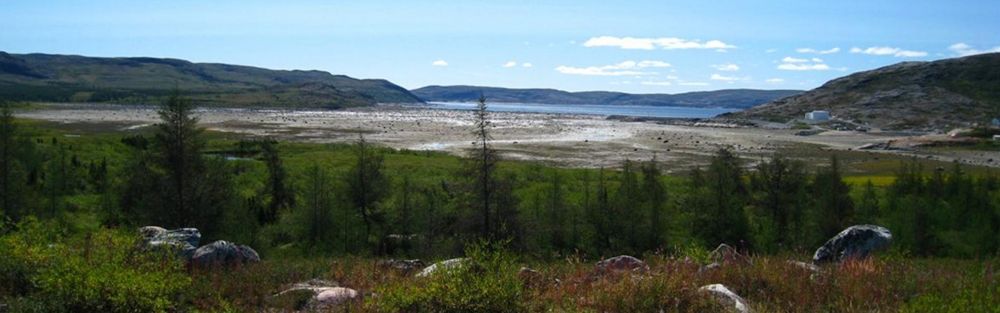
x=70 y=78
x=936 y=95
x=731 y=98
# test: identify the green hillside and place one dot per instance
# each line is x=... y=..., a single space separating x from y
x=67 y=78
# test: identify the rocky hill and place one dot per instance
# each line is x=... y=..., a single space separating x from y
x=934 y=95
x=733 y=98
x=70 y=78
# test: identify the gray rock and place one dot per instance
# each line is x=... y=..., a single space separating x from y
x=182 y=241
x=621 y=263
x=732 y=301
x=446 y=264
x=332 y=298
x=709 y=267
x=529 y=276
x=405 y=266
x=224 y=253
x=857 y=241
x=312 y=295
x=805 y=266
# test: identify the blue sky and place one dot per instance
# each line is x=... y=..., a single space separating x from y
x=632 y=46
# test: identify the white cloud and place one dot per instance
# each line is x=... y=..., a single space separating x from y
x=811 y=50
x=666 y=43
x=526 y=64
x=896 y=52
x=626 y=68
x=727 y=67
x=658 y=83
x=648 y=63
x=794 y=60
x=963 y=49
x=771 y=50
x=439 y=63
x=724 y=78
x=774 y=80
x=693 y=84
x=796 y=64
x=803 y=67
x=510 y=64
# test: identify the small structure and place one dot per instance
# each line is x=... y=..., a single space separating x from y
x=818 y=116
x=996 y=122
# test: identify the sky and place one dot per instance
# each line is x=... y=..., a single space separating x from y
x=631 y=46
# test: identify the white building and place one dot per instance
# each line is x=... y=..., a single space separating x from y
x=996 y=122
x=818 y=116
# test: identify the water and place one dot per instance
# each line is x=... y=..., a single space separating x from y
x=594 y=109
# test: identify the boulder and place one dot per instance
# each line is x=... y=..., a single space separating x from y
x=729 y=299
x=446 y=264
x=709 y=267
x=313 y=295
x=726 y=254
x=621 y=263
x=224 y=253
x=855 y=242
x=804 y=266
x=182 y=241
x=529 y=276
x=405 y=266
x=332 y=298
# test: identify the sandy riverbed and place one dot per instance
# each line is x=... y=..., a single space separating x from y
x=571 y=140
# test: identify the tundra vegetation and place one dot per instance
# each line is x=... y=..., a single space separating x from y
x=71 y=206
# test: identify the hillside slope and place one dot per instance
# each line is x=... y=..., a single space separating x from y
x=733 y=98
x=61 y=78
x=934 y=95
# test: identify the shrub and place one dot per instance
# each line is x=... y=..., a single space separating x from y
x=486 y=282
x=101 y=271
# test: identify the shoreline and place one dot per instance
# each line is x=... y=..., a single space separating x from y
x=572 y=140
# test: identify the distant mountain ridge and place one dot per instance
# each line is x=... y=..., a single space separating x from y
x=71 y=78
x=731 y=98
x=935 y=95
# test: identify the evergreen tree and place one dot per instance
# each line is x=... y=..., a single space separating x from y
x=779 y=196
x=833 y=201
x=315 y=212
x=868 y=205
x=13 y=174
x=655 y=198
x=367 y=185
x=627 y=209
x=718 y=199
x=481 y=166
x=281 y=196
x=556 y=208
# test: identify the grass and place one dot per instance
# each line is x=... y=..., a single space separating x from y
x=103 y=271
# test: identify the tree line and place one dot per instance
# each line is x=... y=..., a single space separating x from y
x=774 y=206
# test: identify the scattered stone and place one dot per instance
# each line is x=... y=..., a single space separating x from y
x=224 y=253
x=805 y=266
x=857 y=241
x=726 y=254
x=621 y=263
x=182 y=241
x=405 y=266
x=529 y=276
x=313 y=295
x=332 y=298
x=709 y=267
x=732 y=301
x=446 y=265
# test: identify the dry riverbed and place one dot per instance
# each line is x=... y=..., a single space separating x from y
x=562 y=139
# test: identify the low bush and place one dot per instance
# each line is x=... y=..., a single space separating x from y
x=103 y=271
x=486 y=282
